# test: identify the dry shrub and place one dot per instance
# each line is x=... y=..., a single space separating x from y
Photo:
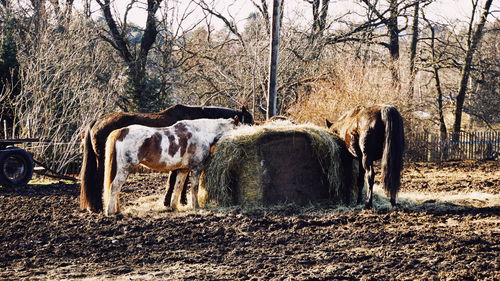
x=350 y=86
x=67 y=81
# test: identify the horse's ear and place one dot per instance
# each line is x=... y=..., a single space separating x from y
x=236 y=120
x=328 y=123
x=244 y=109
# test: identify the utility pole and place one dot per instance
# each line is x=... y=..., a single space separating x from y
x=273 y=61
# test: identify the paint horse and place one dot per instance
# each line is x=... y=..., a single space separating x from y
x=185 y=146
x=373 y=133
x=94 y=140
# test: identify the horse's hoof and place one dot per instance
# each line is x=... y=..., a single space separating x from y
x=396 y=206
x=169 y=209
x=368 y=205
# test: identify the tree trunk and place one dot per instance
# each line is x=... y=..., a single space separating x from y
x=392 y=28
x=40 y=15
x=320 y=11
x=136 y=82
x=466 y=68
x=437 y=82
x=413 y=48
x=443 y=134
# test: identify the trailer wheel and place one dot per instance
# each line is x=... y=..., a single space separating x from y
x=16 y=167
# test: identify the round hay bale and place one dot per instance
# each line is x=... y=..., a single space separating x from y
x=280 y=163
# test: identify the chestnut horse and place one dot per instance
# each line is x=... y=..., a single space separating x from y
x=94 y=140
x=373 y=133
x=184 y=146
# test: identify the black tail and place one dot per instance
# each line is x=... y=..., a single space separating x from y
x=90 y=192
x=392 y=157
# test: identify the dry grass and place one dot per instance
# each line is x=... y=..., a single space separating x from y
x=350 y=85
x=152 y=205
x=441 y=187
x=237 y=154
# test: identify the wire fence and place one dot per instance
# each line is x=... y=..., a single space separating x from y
x=470 y=146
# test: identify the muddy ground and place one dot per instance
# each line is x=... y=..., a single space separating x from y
x=447 y=228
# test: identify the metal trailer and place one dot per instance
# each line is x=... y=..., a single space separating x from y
x=16 y=164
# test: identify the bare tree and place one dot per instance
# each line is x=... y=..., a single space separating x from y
x=378 y=15
x=391 y=23
x=67 y=81
x=135 y=60
x=263 y=9
x=219 y=60
x=473 y=40
x=436 y=61
x=483 y=102
x=63 y=14
x=320 y=12
x=413 y=46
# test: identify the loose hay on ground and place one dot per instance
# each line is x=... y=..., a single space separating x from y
x=239 y=171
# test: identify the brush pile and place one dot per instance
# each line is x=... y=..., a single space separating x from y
x=277 y=163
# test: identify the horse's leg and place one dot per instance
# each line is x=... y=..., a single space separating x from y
x=369 y=179
x=360 y=181
x=195 y=181
x=112 y=206
x=179 y=184
x=169 y=188
x=183 y=199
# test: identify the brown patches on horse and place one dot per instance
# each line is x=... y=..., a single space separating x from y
x=182 y=132
x=180 y=128
x=183 y=142
x=191 y=148
x=172 y=145
x=150 y=150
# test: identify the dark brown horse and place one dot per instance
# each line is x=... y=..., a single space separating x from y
x=94 y=141
x=373 y=133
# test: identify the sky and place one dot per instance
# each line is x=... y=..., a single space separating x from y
x=440 y=10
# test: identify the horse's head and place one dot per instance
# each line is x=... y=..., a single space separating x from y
x=246 y=116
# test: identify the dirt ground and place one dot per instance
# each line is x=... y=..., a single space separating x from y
x=447 y=228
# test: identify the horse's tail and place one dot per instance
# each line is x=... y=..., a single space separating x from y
x=109 y=165
x=392 y=157
x=90 y=192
